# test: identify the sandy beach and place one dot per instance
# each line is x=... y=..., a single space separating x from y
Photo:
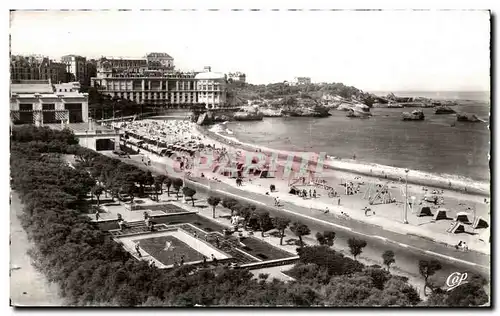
x=448 y=182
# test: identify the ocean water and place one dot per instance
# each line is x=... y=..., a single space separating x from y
x=432 y=145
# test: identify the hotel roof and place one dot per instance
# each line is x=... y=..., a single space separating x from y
x=27 y=88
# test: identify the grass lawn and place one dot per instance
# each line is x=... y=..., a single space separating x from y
x=156 y=248
x=167 y=208
x=263 y=250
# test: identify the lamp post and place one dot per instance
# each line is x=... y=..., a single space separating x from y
x=405 y=218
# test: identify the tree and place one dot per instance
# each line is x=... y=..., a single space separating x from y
x=356 y=246
x=300 y=230
x=427 y=269
x=246 y=211
x=281 y=223
x=264 y=220
x=229 y=203
x=330 y=237
x=158 y=187
x=149 y=179
x=388 y=257
x=168 y=184
x=97 y=190
x=213 y=201
x=130 y=189
x=321 y=239
x=188 y=192
x=177 y=183
x=160 y=179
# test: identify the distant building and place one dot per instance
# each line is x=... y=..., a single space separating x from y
x=160 y=61
x=37 y=68
x=90 y=72
x=40 y=102
x=236 y=77
x=76 y=66
x=301 y=80
x=107 y=66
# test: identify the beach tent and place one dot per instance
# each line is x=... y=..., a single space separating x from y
x=456 y=228
x=294 y=191
x=424 y=211
x=440 y=214
x=480 y=223
x=462 y=217
x=485 y=236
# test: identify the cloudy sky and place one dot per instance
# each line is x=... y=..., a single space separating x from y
x=374 y=51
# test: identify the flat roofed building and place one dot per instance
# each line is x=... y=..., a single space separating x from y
x=40 y=102
x=211 y=89
x=150 y=87
x=93 y=136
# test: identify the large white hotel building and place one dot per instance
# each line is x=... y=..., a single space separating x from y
x=153 y=81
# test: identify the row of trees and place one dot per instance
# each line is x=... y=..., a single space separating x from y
x=260 y=220
x=91 y=269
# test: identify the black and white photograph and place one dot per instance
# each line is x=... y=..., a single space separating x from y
x=246 y=157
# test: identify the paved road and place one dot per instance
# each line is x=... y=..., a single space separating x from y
x=408 y=249
x=28 y=287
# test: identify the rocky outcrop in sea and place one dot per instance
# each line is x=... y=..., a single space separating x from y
x=417 y=115
x=248 y=116
x=467 y=117
x=304 y=107
x=444 y=110
x=358 y=114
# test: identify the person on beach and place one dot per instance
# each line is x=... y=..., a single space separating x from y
x=97 y=215
x=327 y=210
x=310 y=193
x=314 y=193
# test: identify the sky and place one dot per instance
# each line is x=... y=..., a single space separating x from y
x=371 y=50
